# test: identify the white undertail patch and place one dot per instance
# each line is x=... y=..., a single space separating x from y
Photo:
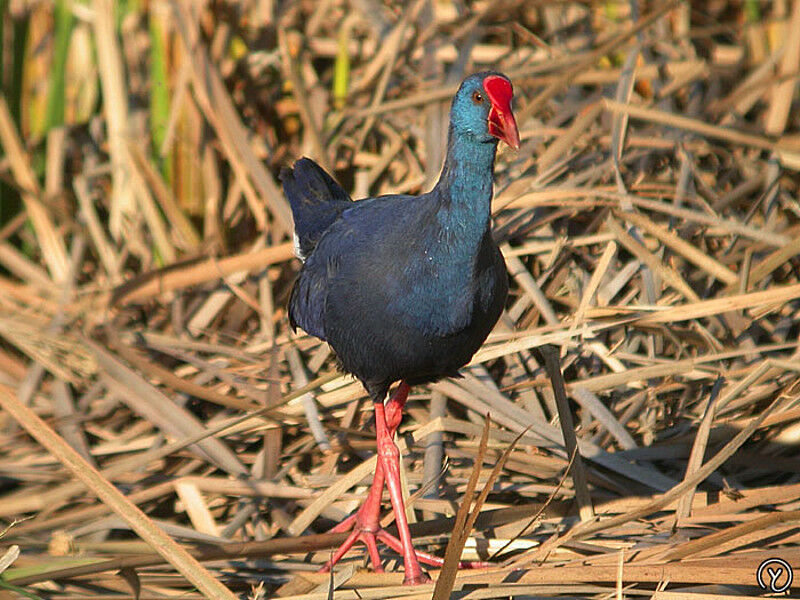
x=297 y=252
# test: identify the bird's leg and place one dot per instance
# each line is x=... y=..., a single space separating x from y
x=395 y=406
x=394 y=414
x=389 y=457
x=365 y=523
x=369 y=513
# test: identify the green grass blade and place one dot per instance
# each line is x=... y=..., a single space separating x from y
x=752 y=10
x=341 y=68
x=159 y=92
x=56 y=96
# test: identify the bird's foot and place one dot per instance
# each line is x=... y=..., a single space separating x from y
x=370 y=534
x=369 y=539
x=364 y=525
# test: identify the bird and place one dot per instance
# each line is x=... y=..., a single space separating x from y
x=404 y=288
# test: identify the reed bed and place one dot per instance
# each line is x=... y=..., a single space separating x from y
x=163 y=431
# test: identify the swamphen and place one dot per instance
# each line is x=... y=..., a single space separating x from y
x=404 y=288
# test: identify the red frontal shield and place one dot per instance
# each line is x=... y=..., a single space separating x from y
x=502 y=124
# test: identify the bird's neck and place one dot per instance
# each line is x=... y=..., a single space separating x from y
x=465 y=187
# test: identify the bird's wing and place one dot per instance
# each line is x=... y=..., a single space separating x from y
x=308 y=299
x=316 y=200
x=352 y=257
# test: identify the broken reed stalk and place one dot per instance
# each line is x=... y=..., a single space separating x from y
x=553 y=365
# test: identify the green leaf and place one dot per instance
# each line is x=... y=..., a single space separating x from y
x=159 y=90
x=56 y=98
x=341 y=68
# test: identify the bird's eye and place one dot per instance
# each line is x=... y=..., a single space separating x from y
x=477 y=97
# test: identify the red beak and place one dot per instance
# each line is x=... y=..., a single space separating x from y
x=502 y=124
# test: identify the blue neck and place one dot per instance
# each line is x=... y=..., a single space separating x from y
x=438 y=296
x=464 y=190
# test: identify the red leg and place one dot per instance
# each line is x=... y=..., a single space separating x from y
x=365 y=522
x=395 y=406
x=389 y=456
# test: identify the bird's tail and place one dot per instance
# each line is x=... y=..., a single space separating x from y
x=316 y=201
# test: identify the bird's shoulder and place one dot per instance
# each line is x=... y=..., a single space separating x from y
x=388 y=210
x=376 y=225
x=367 y=242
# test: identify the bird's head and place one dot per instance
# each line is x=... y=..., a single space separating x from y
x=482 y=108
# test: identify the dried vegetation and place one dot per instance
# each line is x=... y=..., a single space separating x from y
x=651 y=227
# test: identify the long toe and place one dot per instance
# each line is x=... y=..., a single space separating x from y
x=426 y=558
x=365 y=537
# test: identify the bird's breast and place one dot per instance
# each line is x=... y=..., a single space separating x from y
x=439 y=291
